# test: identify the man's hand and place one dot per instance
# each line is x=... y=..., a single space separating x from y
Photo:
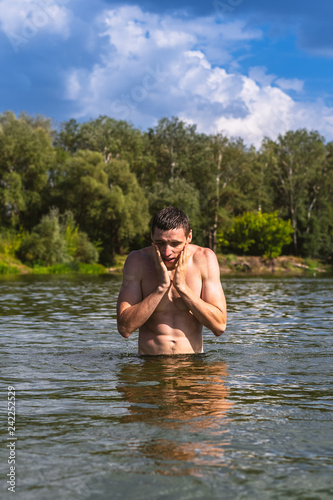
x=162 y=272
x=180 y=274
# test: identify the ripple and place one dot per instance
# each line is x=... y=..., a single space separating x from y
x=251 y=417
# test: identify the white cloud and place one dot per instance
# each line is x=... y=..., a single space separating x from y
x=290 y=84
x=73 y=86
x=158 y=66
x=259 y=75
x=25 y=18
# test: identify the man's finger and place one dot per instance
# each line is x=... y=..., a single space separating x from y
x=157 y=254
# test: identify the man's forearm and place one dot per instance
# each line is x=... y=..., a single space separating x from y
x=209 y=315
x=133 y=317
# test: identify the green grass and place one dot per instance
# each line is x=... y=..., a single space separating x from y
x=11 y=265
x=71 y=268
x=8 y=269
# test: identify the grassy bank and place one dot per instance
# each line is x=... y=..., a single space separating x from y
x=10 y=265
x=229 y=264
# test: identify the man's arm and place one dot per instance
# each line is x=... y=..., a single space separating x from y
x=210 y=309
x=132 y=309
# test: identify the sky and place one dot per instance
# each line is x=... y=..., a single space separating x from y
x=242 y=68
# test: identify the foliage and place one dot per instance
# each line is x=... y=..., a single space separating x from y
x=177 y=192
x=77 y=242
x=298 y=172
x=52 y=243
x=26 y=153
x=69 y=268
x=6 y=269
x=46 y=243
x=87 y=191
x=257 y=233
x=105 y=199
x=10 y=242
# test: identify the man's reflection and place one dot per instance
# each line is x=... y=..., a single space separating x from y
x=178 y=393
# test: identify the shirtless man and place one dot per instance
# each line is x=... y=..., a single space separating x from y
x=170 y=290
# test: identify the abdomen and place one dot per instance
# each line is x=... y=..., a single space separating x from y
x=171 y=333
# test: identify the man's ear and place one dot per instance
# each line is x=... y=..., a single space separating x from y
x=189 y=238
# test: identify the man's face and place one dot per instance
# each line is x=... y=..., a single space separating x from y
x=170 y=244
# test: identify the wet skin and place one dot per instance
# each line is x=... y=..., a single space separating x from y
x=169 y=291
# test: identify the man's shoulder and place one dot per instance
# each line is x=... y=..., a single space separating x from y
x=139 y=256
x=136 y=263
x=203 y=253
x=205 y=259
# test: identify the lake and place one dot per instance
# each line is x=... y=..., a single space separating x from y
x=251 y=418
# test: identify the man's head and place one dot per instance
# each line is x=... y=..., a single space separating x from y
x=170 y=232
x=171 y=218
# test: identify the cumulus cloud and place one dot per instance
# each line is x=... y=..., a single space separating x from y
x=154 y=66
x=290 y=84
x=259 y=75
x=22 y=20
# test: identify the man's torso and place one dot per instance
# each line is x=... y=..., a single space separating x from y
x=172 y=328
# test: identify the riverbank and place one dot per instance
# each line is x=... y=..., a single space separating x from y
x=229 y=264
x=10 y=266
x=280 y=266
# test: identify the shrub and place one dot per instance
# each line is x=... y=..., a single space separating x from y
x=46 y=243
x=79 y=246
x=5 y=269
x=10 y=242
x=57 y=240
x=256 y=233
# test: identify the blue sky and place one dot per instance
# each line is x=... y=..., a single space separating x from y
x=248 y=68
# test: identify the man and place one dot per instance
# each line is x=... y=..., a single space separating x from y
x=170 y=290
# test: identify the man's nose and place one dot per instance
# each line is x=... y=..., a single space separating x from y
x=167 y=250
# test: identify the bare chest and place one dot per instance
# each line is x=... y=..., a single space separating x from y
x=172 y=299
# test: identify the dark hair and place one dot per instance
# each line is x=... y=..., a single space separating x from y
x=171 y=218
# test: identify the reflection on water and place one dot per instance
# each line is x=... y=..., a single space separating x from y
x=184 y=393
x=249 y=419
x=169 y=391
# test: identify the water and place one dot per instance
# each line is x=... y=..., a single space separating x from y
x=249 y=419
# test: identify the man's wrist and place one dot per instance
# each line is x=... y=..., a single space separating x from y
x=162 y=288
x=181 y=288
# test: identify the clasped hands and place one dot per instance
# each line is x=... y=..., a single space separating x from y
x=162 y=271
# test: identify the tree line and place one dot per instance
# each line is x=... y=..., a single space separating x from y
x=87 y=191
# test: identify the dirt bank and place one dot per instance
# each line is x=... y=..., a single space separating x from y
x=284 y=265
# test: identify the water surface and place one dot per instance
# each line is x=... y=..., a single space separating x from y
x=250 y=418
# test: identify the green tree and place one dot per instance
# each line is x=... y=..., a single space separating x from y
x=26 y=154
x=257 y=233
x=82 y=188
x=317 y=223
x=172 y=142
x=127 y=206
x=232 y=183
x=297 y=172
x=181 y=194
x=112 y=138
x=56 y=240
x=105 y=198
x=12 y=199
x=46 y=244
x=79 y=247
